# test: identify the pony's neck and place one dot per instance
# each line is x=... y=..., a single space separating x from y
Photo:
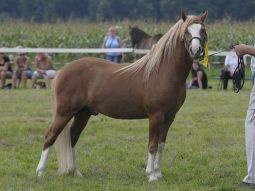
x=178 y=66
x=139 y=35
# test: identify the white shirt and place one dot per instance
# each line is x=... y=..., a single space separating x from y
x=231 y=62
x=253 y=63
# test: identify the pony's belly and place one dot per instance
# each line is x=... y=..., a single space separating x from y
x=125 y=116
x=127 y=112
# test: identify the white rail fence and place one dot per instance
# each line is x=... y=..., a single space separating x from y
x=94 y=51
x=87 y=50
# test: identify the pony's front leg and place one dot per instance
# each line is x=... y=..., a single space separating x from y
x=161 y=145
x=155 y=124
x=150 y=167
x=157 y=160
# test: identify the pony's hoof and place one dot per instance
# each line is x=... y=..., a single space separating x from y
x=77 y=173
x=153 y=178
x=158 y=174
x=40 y=173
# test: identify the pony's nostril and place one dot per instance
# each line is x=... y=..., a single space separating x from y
x=200 y=49
x=190 y=50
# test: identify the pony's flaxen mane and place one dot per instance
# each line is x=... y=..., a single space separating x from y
x=161 y=51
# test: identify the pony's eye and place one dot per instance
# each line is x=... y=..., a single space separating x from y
x=202 y=30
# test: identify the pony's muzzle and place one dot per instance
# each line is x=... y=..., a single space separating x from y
x=197 y=53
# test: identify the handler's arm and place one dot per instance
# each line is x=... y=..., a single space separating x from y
x=243 y=49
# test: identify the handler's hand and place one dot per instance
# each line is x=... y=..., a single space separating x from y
x=241 y=49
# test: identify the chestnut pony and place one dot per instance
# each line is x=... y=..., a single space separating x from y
x=153 y=87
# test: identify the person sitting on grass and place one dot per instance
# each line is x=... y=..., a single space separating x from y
x=22 y=70
x=199 y=77
x=44 y=69
x=5 y=69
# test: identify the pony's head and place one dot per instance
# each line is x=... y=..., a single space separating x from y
x=195 y=35
x=136 y=35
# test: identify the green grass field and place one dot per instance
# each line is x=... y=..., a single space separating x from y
x=204 y=151
x=205 y=146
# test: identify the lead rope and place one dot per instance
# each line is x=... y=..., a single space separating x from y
x=239 y=75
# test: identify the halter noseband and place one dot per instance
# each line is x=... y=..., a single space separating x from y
x=194 y=38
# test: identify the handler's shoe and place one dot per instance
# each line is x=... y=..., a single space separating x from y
x=247 y=185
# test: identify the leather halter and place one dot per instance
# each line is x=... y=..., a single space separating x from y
x=188 y=44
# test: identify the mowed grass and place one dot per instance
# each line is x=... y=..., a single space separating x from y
x=204 y=150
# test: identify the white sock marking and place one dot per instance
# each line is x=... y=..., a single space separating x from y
x=43 y=162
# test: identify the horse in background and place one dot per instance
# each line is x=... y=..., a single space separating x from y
x=142 y=40
x=153 y=87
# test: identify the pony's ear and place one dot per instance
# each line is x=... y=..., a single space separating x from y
x=204 y=16
x=184 y=16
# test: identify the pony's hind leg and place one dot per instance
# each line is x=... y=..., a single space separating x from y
x=65 y=144
x=56 y=127
x=80 y=121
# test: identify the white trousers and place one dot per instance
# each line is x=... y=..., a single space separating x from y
x=250 y=139
x=50 y=73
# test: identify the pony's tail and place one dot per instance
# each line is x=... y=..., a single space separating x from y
x=64 y=150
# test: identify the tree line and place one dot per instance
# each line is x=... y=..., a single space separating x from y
x=117 y=10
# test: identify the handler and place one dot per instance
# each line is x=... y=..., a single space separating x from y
x=249 y=180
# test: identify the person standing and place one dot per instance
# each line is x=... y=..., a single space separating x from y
x=112 y=40
x=249 y=179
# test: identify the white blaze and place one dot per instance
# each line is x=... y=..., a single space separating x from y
x=194 y=30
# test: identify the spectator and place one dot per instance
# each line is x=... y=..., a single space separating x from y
x=22 y=70
x=5 y=69
x=44 y=69
x=231 y=62
x=199 y=77
x=113 y=41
